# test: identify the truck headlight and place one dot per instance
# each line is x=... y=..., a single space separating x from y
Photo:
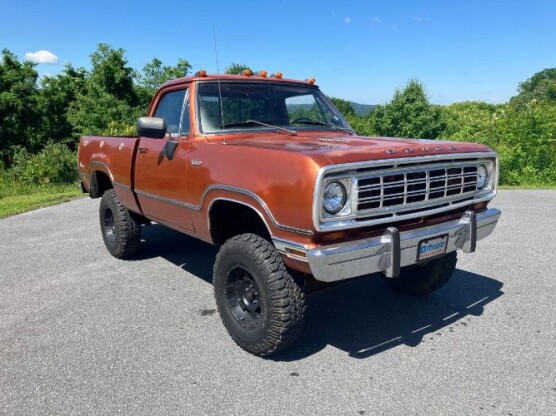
x=482 y=177
x=334 y=197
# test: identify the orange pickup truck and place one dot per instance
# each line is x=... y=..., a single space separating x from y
x=269 y=171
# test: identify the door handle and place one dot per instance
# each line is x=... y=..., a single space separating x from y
x=143 y=150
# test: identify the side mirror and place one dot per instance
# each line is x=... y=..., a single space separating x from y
x=152 y=127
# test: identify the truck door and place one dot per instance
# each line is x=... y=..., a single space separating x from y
x=160 y=180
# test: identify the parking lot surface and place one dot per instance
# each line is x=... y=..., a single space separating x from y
x=84 y=333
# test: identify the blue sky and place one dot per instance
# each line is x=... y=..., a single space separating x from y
x=357 y=50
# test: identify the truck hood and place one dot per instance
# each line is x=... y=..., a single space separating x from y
x=348 y=149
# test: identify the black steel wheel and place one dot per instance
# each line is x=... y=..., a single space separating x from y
x=260 y=303
x=243 y=297
x=121 y=229
x=109 y=227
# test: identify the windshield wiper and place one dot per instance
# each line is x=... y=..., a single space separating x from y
x=260 y=123
x=320 y=123
x=292 y=132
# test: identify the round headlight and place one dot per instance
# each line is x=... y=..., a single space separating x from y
x=334 y=197
x=482 y=176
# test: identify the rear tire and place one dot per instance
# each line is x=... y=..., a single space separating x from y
x=260 y=304
x=121 y=229
x=423 y=279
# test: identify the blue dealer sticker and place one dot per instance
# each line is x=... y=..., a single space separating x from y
x=432 y=247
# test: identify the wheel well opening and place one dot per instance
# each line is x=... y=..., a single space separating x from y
x=228 y=219
x=100 y=183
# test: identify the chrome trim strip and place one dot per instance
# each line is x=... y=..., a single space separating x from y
x=230 y=189
x=121 y=185
x=163 y=199
x=340 y=223
x=353 y=259
x=259 y=200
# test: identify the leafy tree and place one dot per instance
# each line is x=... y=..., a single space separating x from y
x=540 y=87
x=524 y=137
x=236 y=69
x=472 y=121
x=18 y=102
x=154 y=74
x=409 y=114
x=363 y=126
x=344 y=106
x=109 y=94
x=55 y=97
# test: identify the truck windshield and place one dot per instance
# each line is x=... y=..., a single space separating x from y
x=264 y=106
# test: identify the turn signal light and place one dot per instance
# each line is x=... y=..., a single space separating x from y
x=295 y=252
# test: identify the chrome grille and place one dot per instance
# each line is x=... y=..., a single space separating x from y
x=412 y=188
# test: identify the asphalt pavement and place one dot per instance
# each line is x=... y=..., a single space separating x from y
x=82 y=333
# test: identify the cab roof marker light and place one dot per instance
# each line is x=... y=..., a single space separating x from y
x=277 y=75
x=201 y=73
x=311 y=81
x=247 y=72
x=263 y=74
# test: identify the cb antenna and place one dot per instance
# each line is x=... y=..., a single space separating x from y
x=218 y=81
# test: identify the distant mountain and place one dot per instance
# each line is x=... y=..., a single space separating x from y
x=362 y=110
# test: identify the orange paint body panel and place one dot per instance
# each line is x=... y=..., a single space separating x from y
x=270 y=171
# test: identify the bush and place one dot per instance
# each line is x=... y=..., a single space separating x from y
x=54 y=164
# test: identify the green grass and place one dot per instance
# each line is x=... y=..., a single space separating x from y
x=17 y=199
x=527 y=187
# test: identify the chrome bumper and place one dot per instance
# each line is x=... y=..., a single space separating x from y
x=393 y=250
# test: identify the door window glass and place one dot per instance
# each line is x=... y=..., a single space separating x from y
x=170 y=108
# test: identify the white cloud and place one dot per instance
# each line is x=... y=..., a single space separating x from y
x=347 y=20
x=41 y=57
x=420 y=19
x=375 y=20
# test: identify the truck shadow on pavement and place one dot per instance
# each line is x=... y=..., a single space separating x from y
x=361 y=317
x=364 y=317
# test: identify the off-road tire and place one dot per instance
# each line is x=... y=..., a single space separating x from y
x=423 y=279
x=121 y=229
x=248 y=266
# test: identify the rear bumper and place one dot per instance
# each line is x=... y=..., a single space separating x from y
x=394 y=249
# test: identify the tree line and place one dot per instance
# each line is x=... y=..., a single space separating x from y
x=42 y=119
x=522 y=131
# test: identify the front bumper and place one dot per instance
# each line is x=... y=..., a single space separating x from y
x=394 y=249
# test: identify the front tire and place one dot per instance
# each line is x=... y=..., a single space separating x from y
x=261 y=305
x=121 y=229
x=423 y=279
